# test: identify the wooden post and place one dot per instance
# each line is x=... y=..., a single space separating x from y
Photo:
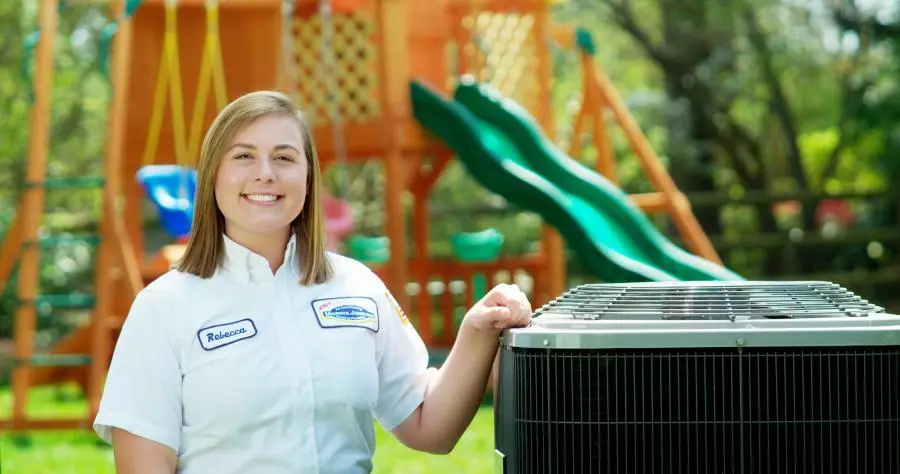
x=33 y=209
x=131 y=282
x=12 y=244
x=395 y=106
x=594 y=103
x=420 y=241
x=112 y=273
x=552 y=241
x=678 y=205
x=578 y=125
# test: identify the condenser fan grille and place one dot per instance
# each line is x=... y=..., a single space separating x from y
x=765 y=411
x=709 y=301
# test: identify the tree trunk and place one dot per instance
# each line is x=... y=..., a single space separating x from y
x=690 y=157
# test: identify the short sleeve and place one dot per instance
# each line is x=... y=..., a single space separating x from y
x=402 y=365
x=142 y=394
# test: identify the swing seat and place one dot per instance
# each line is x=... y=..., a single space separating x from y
x=171 y=190
x=338 y=219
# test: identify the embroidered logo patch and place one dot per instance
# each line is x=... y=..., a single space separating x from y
x=221 y=335
x=347 y=311
x=403 y=317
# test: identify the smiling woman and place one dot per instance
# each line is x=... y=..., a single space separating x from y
x=261 y=184
x=264 y=352
x=265 y=169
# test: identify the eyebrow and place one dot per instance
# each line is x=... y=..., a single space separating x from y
x=281 y=146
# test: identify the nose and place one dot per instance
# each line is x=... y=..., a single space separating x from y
x=264 y=170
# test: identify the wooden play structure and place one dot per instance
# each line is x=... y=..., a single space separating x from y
x=174 y=63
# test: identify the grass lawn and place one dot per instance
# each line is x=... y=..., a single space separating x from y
x=77 y=452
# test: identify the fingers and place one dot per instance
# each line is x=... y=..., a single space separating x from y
x=498 y=314
x=514 y=300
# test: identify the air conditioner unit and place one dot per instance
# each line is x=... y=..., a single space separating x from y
x=701 y=378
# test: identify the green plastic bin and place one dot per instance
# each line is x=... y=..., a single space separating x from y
x=369 y=249
x=477 y=247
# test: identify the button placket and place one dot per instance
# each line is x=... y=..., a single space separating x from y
x=299 y=361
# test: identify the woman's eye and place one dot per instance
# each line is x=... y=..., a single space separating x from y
x=242 y=156
x=286 y=157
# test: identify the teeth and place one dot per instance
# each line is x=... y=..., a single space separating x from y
x=261 y=197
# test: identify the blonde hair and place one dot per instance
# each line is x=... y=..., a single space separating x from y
x=205 y=248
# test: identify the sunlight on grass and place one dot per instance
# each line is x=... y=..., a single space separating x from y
x=78 y=452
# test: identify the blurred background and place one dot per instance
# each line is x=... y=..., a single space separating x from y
x=779 y=120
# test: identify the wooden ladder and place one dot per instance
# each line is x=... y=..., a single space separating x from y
x=23 y=243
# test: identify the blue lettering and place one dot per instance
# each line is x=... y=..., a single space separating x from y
x=210 y=336
x=349 y=312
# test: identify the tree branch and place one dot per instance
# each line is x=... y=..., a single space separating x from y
x=742 y=150
x=834 y=158
x=624 y=16
x=849 y=18
x=852 y=19
x=778 y=98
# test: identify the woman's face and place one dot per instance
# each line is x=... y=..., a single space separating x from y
x=261 y=183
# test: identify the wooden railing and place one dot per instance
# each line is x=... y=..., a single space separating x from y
x=443 y=290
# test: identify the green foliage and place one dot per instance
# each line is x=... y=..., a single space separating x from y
x=78 y=126
x=856 y=170
x=79 y=452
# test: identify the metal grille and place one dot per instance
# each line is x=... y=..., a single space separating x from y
x=749 y=411
x=710 y=301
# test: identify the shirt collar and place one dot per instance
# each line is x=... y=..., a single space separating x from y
x=248 y=266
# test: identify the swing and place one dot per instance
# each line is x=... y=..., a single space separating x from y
x=171 y=187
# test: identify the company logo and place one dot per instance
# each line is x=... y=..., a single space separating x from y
x=347 y=311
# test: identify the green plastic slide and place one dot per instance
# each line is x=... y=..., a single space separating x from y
x=504 y=149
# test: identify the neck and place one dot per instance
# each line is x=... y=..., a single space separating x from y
x=271 y=246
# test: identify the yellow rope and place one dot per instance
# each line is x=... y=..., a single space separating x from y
x=218 y=66
x=211 y=67
x=159 y=101
x=169 y=77
x=177 y=102
x=169 y=82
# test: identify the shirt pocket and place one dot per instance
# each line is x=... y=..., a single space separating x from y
x=231 y=386
x=345 y=368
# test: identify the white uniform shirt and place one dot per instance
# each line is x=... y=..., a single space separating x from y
x=250 y=372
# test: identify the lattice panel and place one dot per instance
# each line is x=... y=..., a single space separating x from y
x=354 y=67
x=505 y=50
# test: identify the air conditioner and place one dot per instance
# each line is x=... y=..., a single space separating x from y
x=701 y=378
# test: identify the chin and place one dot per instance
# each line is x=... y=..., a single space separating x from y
x=264 y=228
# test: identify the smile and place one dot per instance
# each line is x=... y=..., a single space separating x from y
x=262 y=198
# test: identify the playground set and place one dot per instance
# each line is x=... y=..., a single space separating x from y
x=414 y=84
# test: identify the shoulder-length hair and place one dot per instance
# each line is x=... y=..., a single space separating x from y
x=205 y=251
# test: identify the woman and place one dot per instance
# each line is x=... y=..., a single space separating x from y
x=264 y=353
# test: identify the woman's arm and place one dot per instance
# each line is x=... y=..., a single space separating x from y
x=140 y=411
x=455 y=392
x=136 y=455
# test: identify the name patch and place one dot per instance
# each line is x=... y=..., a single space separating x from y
x=347 y=311
x=221 y=335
